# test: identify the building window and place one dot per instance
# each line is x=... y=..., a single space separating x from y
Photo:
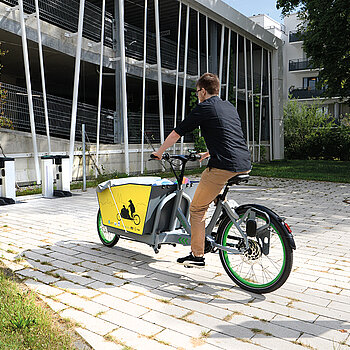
x=310 y=83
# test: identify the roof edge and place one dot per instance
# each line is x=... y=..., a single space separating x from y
x=217 y=9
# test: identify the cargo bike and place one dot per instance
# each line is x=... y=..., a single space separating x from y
x=255 y=245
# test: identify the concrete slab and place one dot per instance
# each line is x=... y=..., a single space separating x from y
x=52 y=244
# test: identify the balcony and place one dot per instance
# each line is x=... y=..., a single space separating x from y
x=306 y=93
x=65 y=14
x=294 y=36
x=300 y=64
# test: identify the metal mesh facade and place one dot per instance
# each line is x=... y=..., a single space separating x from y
x=59 y=110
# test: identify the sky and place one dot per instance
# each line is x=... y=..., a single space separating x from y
x=255 y=7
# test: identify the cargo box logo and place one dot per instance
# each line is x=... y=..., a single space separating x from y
x=126 y=208
x=129 y=213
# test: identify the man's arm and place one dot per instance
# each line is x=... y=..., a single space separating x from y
x=169 y=141
x=204 y=155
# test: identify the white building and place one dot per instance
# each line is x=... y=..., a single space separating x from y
x=184 y=39
x=298 y=76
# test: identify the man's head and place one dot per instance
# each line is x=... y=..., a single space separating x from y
x=208 y=85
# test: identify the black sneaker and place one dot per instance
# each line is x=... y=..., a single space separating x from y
x=192 y=261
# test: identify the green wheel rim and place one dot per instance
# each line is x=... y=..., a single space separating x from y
x=101 y=230
x=255 y=285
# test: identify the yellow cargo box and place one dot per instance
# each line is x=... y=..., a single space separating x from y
x=129 y=204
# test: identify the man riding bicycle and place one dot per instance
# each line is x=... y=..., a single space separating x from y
x=229 y=155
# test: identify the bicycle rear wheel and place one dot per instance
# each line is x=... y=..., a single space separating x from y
x=266 y=265
x=107 y=238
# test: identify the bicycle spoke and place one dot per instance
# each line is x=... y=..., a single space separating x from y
x=263 y=265
x=266 y=276
x=253 y=273
x=253 y=266
x=277 y=266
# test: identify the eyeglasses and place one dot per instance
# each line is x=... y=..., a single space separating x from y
x=198 y=91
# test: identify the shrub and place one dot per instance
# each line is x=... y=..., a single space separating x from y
x=199 y=142
x=4 y=121
x=311 y=134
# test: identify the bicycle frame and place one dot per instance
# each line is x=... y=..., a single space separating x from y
x=182 y=235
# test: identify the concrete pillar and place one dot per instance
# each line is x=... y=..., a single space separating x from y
x=336 y=110
x=277 y=103
x=213 y=35
x=118 y=115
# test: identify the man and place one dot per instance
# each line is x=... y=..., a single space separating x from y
x=228 y=151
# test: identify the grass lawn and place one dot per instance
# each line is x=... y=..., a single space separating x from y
x=26 y=322
x=320 y=170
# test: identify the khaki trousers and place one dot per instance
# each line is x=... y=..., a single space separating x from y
x=212 y=182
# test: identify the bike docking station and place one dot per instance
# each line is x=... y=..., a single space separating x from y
x=62 y=177
x=55 y=167
x=7 y=181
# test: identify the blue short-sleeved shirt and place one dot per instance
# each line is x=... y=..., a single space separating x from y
x=221 y=128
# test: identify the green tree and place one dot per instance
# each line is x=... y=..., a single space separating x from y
x=325 y=30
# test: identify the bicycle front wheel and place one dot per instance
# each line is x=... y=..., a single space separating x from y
x=107 y=238
x=266 y=265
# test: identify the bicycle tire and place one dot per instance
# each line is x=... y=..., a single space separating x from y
x=107 y=238
x=255 y=271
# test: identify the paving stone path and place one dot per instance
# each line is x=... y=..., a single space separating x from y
x=128 y=297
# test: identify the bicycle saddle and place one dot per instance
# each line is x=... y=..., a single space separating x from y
x=236 y=180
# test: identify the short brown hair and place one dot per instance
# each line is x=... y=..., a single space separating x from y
x=209 y=82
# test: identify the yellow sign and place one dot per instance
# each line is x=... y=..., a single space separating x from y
x=128 y=209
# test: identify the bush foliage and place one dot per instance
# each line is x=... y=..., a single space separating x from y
x=309 y=133
x=5 y=122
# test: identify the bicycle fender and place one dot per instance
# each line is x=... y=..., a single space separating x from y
x=287 y=232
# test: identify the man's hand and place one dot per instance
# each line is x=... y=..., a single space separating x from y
x=158 y=155
x=169 y=141
x=203 y=155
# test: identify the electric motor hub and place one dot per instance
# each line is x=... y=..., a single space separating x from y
x=253 y=253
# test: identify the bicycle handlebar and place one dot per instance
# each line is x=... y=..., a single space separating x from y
x=166 y=156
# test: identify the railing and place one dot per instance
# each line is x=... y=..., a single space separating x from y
x=300 y=64
x=65 y=14
x=134 y=49
x=295 y=36
x=256 y=82
x=59 y=111
x=302 y=93
x=281 y=27
x=152 y=128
